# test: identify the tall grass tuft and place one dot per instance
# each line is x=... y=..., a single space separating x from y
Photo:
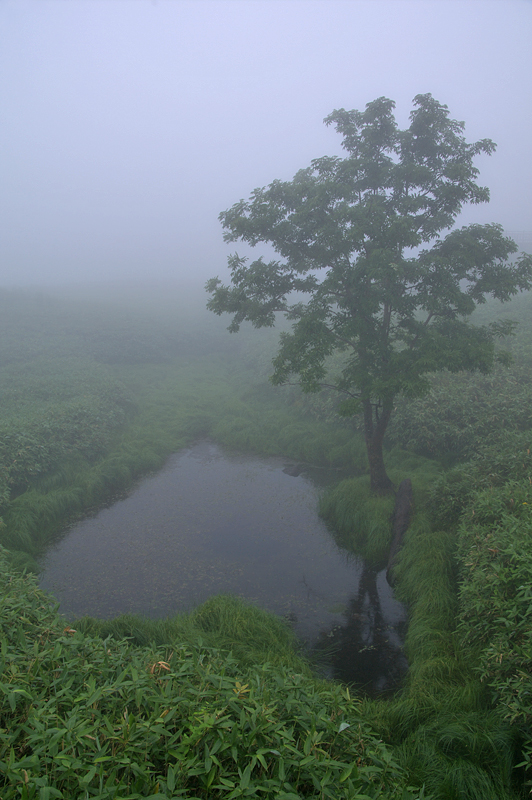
x=224 y=622
x=252 y=634
x=462 y=755
x=20 y=561
x=360 y=521
x=141 y=631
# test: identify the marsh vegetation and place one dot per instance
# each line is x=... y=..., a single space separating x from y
x=218 y=701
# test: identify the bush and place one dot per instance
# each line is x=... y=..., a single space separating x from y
x=496 y=600
x=84 y=716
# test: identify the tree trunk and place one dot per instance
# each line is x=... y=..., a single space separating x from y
x=404 y=501
x=374 y=430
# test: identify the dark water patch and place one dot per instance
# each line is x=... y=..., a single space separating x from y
x=213 y=523
x=371 y=638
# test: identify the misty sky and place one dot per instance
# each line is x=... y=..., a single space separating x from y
x=128 y=125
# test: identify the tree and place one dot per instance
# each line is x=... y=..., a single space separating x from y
x=364 y=270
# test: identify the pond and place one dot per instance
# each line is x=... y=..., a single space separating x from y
x=216 y=523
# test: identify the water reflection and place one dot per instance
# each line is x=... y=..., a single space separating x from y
x=367 y=649
x=212 y=523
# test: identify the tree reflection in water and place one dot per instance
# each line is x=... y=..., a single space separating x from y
x=366 y=651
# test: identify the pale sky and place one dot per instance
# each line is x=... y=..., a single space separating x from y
x=128 y=125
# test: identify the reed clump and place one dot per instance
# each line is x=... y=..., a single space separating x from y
x=360 y=521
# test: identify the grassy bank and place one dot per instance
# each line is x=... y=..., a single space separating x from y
x=461 y=723
x=86 y=716
x=85 y=413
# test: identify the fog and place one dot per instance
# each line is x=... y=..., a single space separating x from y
x=127 y=126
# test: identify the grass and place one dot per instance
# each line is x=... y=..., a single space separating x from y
x=223 y=622
x=361 y=521
x=447 y=734
x=86 y=716
x=442 y=721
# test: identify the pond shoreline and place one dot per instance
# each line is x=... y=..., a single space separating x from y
x=212 y=522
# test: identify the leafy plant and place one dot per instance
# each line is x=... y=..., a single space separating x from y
x=496 y=600
x=85 y=716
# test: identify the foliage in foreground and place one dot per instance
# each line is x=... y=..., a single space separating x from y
x=496 y=601
x=463 y=718
x=83 y=716
x=442 y=721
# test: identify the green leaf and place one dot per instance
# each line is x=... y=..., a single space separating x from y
x=347 y=772
x=343 y=726
x=170 y=778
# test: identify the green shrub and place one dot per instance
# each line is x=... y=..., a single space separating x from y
x=496 y=601
x=84 y=716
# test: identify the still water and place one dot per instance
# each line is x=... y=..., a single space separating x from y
x=212 y=522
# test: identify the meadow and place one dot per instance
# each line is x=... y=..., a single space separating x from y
x=98 y=391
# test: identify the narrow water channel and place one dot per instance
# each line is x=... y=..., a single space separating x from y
x=212 y=523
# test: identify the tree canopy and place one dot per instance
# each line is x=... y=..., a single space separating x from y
x=370 y=265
